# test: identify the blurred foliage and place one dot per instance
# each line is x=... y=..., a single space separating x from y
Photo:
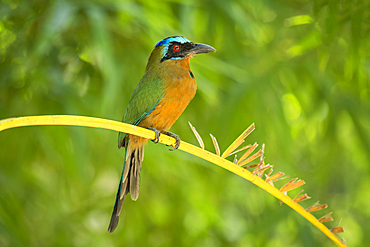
x=299 y=69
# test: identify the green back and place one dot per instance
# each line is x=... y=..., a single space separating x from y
x=144 y=99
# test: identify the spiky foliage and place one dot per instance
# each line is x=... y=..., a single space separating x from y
x=237 y=167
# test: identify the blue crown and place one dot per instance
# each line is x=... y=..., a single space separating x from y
x=168 y=40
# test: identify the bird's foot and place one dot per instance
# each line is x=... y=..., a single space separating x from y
x=157 y=134
x=177 y=143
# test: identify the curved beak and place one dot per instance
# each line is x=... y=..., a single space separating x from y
x=200 y=48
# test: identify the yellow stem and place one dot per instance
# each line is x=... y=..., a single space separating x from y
x=204 y=154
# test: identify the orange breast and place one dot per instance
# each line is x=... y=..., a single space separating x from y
x=176 y=98
x=180 y=89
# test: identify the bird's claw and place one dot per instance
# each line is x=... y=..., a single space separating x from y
x=177 y=138
x=157 y=134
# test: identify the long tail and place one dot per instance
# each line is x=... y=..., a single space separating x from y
x=129 y=183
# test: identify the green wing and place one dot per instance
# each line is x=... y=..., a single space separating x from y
x=144 y=99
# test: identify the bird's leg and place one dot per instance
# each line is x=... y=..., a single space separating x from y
x=177 y=143
x=157 y=134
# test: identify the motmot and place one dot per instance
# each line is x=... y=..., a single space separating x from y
x=163 y=93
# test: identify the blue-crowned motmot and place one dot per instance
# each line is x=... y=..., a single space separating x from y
x=158 y=100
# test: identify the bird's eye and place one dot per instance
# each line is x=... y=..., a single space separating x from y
x=176 y=48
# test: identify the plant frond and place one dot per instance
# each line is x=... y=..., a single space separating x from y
x=255 y=177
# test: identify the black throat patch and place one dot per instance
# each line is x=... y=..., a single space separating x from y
x=191 y=74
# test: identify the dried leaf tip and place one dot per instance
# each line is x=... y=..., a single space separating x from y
x=240 y=149
x=251 y=158
x=314 y=207
x=235 y=159
x=215 y=144
x=326 y=218
x=277 y=176
x=292 y=184
x=200 y=140
x=260 y=168
x=248 y=152
x=238 y=141
x=300 y=198
x=250 y=166
x=337 y=229
x=270 y=172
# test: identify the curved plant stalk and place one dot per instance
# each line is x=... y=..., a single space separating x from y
x=237 y=167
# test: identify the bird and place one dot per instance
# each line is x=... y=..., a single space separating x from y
x=163 y=93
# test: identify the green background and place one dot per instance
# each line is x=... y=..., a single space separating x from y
x=298 y=69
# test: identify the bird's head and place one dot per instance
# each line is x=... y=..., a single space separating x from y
x=177 y=48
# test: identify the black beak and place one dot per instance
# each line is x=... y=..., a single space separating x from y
x=200 y=48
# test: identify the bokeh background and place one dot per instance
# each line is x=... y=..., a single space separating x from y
x=298 y=69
